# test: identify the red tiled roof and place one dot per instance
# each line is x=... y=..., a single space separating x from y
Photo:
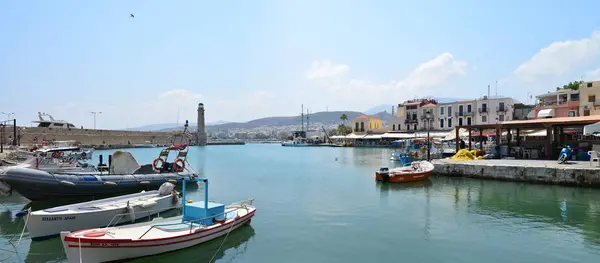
x=428 y=105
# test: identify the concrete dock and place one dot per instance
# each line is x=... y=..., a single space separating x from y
x=544 y=172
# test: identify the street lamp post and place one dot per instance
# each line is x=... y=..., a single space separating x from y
x=428 y=117
x=1 y=137
x=94 y=113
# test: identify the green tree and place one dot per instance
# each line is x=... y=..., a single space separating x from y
x=343 y=129
x=574 y=85
x=344 y=117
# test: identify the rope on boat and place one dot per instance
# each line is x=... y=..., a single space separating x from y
x=229 y=231
x=19 y=241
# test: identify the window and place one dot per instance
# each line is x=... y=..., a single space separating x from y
x=415 y=127
x=483 y=118
x=586 y=112
x=460 y=109
x=460 y=122
x=450 y=123
x=468 y=121
x=442 y=110
x=441 y=123
x=589 y=84
x=362 y=126
x=501 y=106
x=449 y=111
x=572 y=113
x=356 y=126
x=469 y=108
x=501 y=117
x=484 y=107
x=592 y=98
x=394 y=127
x=408 y=127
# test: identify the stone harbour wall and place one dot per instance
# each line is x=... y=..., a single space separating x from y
x=35 y=135
x=543 y=172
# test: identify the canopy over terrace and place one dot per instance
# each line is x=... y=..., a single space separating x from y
x=554 y=129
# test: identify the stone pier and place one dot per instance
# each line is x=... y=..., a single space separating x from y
x=533 y=171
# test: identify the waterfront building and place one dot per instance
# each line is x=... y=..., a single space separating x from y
x=411 y=115
x=364 y=124
x=589 y=94
x=560 y=103
x=492 y=110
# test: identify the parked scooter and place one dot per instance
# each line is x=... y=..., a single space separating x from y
x=565 y=154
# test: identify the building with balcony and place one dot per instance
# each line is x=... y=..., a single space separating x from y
x=492 y=110
x=365 y=124
x=561 y=103
x=589 y=103
x=445 y=116
x=411 y=115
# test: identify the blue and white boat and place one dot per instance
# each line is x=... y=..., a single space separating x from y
x=297 y=142
x=405 y=158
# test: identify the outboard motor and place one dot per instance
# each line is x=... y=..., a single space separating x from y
x=385 y=174
x=166 y=189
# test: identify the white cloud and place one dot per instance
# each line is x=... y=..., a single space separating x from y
x=429 y=78
x=326 y=69
x=560 y=57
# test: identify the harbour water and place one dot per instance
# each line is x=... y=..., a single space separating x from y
x=322 y=205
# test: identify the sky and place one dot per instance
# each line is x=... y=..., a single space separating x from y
x=252 y=59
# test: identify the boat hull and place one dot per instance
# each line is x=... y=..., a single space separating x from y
x=41 y=185
x=110 y=250
x=417 y=171
x=43 y=224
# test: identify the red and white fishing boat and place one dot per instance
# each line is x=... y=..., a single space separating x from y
x=417 y=171
x=200 y=222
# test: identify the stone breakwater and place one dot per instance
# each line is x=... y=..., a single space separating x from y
x=533 y=171
x=35 y=135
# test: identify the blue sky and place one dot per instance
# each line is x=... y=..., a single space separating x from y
x=250 y=59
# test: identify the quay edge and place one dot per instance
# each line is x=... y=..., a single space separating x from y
x=539 y=172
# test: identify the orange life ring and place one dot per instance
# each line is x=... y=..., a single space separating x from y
x=56 y=155
x=155 y=163
x=178 y=168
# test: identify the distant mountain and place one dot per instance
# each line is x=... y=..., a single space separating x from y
x=156 y=127
x=379 y=108
x=330 y=117
x=384 y=116
x=216 y=123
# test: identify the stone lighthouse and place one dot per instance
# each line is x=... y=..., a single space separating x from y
x=201 y=133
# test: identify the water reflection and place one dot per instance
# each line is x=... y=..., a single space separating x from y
x=235 y=245
x=572 y=209
x=385 y=187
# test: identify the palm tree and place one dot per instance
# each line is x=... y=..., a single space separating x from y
x=344 y=117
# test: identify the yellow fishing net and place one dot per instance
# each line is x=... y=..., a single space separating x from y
x=464 y=154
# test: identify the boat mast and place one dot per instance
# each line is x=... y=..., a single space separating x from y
x=307 y=121
x=302 y=117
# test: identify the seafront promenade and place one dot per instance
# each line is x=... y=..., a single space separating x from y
x=573 y=173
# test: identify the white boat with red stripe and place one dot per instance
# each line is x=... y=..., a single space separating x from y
x=200 y=222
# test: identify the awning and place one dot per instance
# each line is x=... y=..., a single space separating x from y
x=545 y=113
x=338 y=137
x=354 y=136
x=591 y=129
x=537 y=133
x=372 y=137
x=395 y=135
